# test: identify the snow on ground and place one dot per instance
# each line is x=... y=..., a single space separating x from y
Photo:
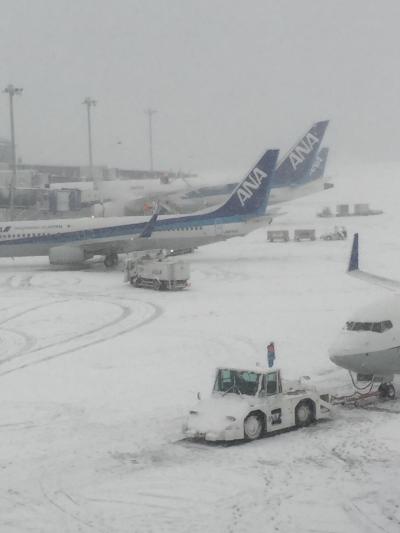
x=96 y=378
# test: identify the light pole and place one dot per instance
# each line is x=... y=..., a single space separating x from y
x=150 y=112
x=89 y=103
x=12 y=91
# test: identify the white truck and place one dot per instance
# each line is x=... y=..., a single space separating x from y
x=248 y=403
x=158 y=274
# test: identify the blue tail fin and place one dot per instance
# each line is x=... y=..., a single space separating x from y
x=250 y=196
x=296 y=166
x=318 y=167
x=353 y=263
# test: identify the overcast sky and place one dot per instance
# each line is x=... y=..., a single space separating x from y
x=229 y=78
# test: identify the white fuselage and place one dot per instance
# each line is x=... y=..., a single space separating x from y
x=190 y=202
x=370 y=341
x=38 y=237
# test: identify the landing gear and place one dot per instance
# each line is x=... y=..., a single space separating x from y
x=111 y=260
x=387 y=391
x=368 y=392
x=156 y=285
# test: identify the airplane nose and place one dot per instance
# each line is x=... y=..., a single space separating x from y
x=334 y=358
x=344 y=361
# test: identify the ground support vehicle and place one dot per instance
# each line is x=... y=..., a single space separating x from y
x=158 y=274
x=249 y=403
x=278 y=235
x=304 y=234
x=338 y=234
x=325 y=213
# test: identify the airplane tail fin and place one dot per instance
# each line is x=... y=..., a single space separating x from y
x=318 y=167
x=353 y=262
x=296 y=165
x=353 y=269
x=250 y=196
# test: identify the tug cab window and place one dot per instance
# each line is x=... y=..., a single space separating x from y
x=271 y=383
x=237 y=381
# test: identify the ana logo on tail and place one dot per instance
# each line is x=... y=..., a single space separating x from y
x=297 y=156
x=251 y=184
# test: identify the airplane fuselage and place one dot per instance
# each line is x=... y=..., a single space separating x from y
x=37 y=238
x=370 y=340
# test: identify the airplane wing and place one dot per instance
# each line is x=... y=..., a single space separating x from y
x=121 y=245
x=354 y=271
x=149 y=227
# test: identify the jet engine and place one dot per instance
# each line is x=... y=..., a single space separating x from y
x=67 y=255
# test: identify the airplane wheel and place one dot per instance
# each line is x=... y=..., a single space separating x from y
x=387 y=391
x=111 y=260
x=304 y=414
x=253 y=427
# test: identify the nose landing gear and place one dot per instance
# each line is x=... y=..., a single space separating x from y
x=369 y=392
x=387 y=391
x=111 y=260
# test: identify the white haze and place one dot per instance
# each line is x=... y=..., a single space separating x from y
x=228 y=78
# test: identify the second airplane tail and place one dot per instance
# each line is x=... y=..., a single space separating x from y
x=318 y=167
x=296 y=166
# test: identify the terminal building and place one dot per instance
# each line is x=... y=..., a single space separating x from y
x=43 y=191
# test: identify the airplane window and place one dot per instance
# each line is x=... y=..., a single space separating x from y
x=376 y=327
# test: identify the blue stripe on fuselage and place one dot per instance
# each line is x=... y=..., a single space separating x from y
x=127 y=230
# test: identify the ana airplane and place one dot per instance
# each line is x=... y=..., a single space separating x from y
x=318 y=167
x=298 y=174
x=73 y=241
x=369 y=344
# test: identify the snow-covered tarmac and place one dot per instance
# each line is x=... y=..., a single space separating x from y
x=96 y=377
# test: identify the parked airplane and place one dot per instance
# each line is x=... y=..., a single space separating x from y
x=369 y=344
x=318 y=167
x=296 y=175
x=73 y=241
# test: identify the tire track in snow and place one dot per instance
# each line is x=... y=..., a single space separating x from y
x=72 y=514
x=125 y=312
x=156 y=312
x=61 y=290
x=29 y=342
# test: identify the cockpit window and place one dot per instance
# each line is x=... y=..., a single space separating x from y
x=376 y=327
